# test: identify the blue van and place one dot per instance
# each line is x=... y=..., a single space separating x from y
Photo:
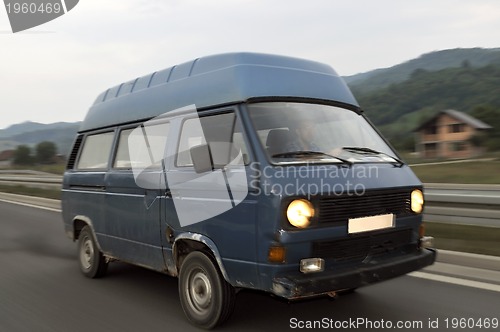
x=237 y=171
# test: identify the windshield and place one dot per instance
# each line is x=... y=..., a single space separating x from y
x=298 y=132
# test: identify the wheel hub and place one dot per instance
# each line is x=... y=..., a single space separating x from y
x=200 y=292
x=87 y=253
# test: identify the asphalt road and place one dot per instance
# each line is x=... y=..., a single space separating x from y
x=41 y=289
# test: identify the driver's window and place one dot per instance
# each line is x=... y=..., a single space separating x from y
x=221 y=132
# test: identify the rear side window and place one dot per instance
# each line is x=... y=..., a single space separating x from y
x=144 y=149
x=95 y=151
x=122 y=158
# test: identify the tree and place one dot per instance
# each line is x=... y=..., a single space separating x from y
x=22 y=156
x=479 y=140
x=491 y=116
x=488 y=114
x=404 y=143
x=45 y=152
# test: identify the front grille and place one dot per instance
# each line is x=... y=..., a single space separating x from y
x=358 y=247
x=339 y=209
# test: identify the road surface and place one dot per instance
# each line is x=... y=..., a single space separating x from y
x=41 y=289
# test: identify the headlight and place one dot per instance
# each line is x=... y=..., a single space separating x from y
x=299 y=213
x=417 y=201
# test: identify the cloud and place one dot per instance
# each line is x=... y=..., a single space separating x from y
x=55 y=76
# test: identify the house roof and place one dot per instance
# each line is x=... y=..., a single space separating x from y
x=461 y=116
x=6 y=155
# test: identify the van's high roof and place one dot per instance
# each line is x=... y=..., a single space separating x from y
x=216 y=80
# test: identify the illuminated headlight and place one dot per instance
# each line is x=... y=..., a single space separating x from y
x=299 y=213
x=309 y=265
x=417 y=201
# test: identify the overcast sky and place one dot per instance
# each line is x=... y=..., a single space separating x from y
x=53 y=72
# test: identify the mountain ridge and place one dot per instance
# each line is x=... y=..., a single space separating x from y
x=31 y=133
x=433 y=61
x=29 y=126
x=395 y=98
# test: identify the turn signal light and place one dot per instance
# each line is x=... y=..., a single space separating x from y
x=276 y=254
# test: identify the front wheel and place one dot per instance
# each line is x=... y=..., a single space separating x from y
x=92 y=262
x=206 y=297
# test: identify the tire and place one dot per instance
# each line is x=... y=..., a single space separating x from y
x=206 y=297
x=92 y=262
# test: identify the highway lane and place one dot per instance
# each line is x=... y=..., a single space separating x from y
x=41 y=289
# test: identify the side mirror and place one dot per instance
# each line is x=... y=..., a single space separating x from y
x=202 y=158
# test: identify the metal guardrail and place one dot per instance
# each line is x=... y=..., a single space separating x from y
x=447 y=203
x=33 y=180
x=468 y=204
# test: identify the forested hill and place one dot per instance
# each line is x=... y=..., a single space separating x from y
x=400 y=108
x=31 y=133
x=380 y=78
x=457 y=88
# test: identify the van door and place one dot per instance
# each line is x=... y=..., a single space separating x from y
x=214 y=203
x=133 y=205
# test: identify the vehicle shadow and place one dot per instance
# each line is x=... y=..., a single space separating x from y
x=254 y=311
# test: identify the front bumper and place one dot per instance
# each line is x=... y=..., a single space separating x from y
x=299 y=285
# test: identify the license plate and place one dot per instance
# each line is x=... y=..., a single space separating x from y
x=366 y=224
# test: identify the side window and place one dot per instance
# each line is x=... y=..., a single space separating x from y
x=239 y=143
x=95 y=152
x=142 y=146
x=122 y=157
x=222 y=132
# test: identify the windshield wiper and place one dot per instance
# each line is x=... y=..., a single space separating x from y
x=361 y=150
x=309 y=153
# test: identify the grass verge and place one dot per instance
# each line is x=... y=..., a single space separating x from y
x=57 y=169
x=38 y=192
x=480 y=172
x=465 y=238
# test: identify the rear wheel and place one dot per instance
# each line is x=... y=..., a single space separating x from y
x=206 y=297
x=92 y=262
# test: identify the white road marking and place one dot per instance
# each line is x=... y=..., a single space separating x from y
x=456 y=281
x=31 y=205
